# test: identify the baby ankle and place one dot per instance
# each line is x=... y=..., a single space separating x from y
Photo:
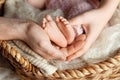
x=78 y=30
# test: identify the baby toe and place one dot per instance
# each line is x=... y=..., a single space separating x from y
x=44 y=21
x=49 y=18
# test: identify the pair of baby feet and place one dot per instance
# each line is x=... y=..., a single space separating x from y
x=63 y=34
x=60 y=32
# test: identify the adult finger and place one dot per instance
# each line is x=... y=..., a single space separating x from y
x=81 y=37
x=81 y=51
x=75 y=55
x=53 y=52
x=77 y=45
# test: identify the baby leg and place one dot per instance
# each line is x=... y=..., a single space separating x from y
x=53 y=32
x=66 y=29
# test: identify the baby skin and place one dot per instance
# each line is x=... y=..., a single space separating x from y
x=69 y=38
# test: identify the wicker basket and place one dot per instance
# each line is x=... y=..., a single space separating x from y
x=107 y=70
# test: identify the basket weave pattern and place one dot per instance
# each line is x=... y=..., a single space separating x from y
x=109 y=69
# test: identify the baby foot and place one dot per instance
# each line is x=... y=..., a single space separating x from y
x=53 y=32
x=66 y=29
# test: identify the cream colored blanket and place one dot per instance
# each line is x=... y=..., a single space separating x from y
x=104 y=47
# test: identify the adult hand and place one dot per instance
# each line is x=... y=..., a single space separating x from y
x=32 y=34
x=38 y=40
x=94 y=21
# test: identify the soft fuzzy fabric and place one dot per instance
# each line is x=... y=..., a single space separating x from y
x=105 y=45
x=22 y=10
x=116 y=17
x=72 y=8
